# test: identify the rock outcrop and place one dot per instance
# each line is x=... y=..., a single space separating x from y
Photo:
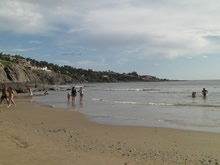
x=16 y=73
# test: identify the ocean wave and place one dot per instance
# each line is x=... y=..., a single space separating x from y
x=48 y=105
x=156 y=103
x=126 y=89
x=97 y=99
x=191 y=124
x=108 y=116
x=199 y=105
x=132 y=102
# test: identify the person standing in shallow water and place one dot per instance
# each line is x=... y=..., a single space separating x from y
x=204 y=92
x=81 y=94
x=68 y=97
x=73 y=94
x=30 y=91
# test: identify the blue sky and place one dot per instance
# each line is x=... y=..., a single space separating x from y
x=171 y=39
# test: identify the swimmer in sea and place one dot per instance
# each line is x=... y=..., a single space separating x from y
x=193 y=94
x=204 y=92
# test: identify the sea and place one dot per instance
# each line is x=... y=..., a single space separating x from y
x=166 y=104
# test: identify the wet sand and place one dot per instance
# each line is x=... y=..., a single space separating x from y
x=30 y=134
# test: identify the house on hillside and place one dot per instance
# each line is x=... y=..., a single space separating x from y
x=23 y=61
x=105 y=76
x=12 y=58
x=39 y=68
x=44 y=68
x=148 y=77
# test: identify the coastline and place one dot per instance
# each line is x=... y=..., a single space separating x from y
x=30 y=134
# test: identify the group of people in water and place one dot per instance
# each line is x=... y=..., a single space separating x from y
x=73 y=94
x=204 y=93
x=8 y=95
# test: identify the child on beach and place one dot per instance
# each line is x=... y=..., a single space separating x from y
x=4 y=94
x=11 y=97
x=81 y=93
x=68 y=97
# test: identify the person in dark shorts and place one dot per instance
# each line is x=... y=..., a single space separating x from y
x=4 y=94
x=73 y=94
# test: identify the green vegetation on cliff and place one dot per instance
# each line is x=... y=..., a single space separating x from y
x=77 y=74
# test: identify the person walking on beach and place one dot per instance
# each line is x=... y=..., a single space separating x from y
x=11 y=97
x=4 y=94
x=73 y=94
x=81 y=93
x=204 y=92
x=30 y=91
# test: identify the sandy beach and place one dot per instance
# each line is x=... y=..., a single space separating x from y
x=30 y=134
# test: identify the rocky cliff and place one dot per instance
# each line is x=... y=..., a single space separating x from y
x=16 y=73
x=26 y=71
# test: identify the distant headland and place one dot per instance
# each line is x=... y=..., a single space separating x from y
x=17 y=69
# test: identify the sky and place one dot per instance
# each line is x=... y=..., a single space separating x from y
x=171 y=39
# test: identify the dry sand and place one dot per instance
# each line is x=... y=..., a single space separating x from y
x=34 y=135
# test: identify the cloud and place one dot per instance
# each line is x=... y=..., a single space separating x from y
x=63 y=62
x=121 y=61
x=75 y=30
x=205 y=57
x=35 y=42
x=22 y=17
x=84 y=63
x=155 y=30
x=146 y=29
x=21 y=50
x=159 y=31
x=72 y=54
x=89 y=63
x=156 y=65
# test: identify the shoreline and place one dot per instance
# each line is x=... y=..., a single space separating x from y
x=44 y=135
